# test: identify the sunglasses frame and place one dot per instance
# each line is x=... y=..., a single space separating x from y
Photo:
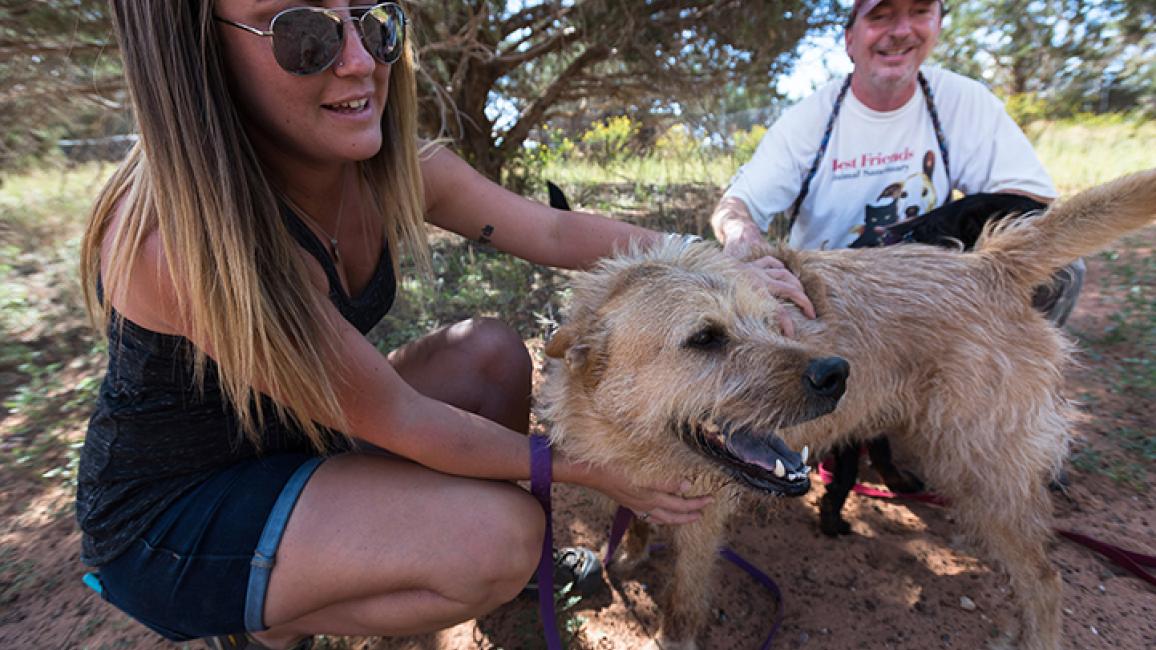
x=333 y=14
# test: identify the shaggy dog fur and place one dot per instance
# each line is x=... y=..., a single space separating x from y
x=957 y=226
x=672 y=364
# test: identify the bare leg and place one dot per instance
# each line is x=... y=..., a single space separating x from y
x=479 y=365
x=381 y=546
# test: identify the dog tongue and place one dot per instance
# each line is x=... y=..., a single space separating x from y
x=763 y=450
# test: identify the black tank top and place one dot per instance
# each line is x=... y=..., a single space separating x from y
x=154 y=436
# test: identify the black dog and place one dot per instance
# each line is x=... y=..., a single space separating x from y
x=557 y=197
x=959 y=223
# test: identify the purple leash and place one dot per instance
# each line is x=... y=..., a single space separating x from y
x=541 y=470
x=541 y=475
x=622 y=519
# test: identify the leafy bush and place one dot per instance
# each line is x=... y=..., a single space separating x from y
x=1026 y=108
x=677 y=143
x=746 y=141
x=608 y=141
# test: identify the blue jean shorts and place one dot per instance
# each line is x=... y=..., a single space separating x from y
x=202 y=569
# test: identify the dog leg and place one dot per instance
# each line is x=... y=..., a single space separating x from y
x=1014 y=526
x=686 y=599
x=635 y=547
x=845 y=473
x=896 y=479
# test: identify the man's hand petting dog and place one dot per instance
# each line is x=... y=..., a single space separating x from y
x=772 y=274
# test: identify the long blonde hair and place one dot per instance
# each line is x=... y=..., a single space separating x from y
x=196 y=180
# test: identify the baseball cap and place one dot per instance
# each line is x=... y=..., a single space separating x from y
x=864 y=6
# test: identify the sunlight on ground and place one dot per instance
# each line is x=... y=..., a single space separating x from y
x=941 y=559
x=43 y=510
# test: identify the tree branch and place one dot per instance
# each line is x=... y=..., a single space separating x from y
x=534 y=113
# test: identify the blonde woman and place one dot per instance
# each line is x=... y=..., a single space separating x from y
x=237 y=258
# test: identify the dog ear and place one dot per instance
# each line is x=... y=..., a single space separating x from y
x=929 y=163
x=893 y=190
x=562 y=341
x=583 y=355
x=564 y=345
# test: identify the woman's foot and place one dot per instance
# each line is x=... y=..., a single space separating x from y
x=248 y=642
x=573 y=565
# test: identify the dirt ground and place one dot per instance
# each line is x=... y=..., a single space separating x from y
x=900 y=582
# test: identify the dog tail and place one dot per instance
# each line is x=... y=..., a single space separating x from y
x=1031 y=250
x=557 y=197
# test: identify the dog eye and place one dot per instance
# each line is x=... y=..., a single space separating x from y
x=711 y=337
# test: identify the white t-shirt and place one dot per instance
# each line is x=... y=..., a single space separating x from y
x=885 y=167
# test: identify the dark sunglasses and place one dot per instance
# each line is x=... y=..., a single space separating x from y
x=307 y=40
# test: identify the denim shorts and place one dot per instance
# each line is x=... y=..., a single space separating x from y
x=202 y=569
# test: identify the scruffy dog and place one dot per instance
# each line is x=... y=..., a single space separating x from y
x=666 y=367
x=672 y=364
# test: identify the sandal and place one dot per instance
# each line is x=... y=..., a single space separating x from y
x=575 y=566
x=246 y=642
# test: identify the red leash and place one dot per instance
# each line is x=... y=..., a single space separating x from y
x=877 y=493
x=1130 y=561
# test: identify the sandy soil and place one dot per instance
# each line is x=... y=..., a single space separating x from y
x=898 y=583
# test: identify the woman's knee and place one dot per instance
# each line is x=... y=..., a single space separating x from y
x=505 y=545
x=499 y=355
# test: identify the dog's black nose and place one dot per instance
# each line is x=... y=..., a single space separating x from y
x=827 y=377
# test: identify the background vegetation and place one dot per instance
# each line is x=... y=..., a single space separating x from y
x=638 y=110
x=497 y=75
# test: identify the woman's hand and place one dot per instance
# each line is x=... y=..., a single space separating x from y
x=667 y=502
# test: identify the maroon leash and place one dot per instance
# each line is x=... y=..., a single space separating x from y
x=1130 y=561
x=622 y=518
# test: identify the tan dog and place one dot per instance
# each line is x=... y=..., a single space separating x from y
x=669 y=367
x=672 y=365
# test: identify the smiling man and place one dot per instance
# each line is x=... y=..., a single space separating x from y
x=884 y=145
x=888 y=143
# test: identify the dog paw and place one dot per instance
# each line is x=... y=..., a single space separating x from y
x=833 y=526
x=664 y=642
x=904 y=482
x=624 y=560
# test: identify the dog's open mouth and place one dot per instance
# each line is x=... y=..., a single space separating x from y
x=760 y=459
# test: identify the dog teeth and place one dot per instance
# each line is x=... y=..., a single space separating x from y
x=780 y=471
x=805 y=454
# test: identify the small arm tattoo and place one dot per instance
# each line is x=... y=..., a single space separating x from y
x=487 y=231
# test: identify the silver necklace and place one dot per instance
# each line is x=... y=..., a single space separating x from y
x=333 y=250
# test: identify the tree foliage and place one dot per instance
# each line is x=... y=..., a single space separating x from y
x=1074 y=55
x=495 y=74
x=500 y=70
x=61 y=75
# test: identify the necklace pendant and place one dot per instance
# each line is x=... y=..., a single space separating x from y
x=333 y=249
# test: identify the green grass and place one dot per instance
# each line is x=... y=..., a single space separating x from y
x=49 y=357
x=1081 y=154
x=1132 y=276
x=714 y=169
x=1077 y=154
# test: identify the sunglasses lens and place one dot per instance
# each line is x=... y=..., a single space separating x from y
x=305 y=41
x=383 y=32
